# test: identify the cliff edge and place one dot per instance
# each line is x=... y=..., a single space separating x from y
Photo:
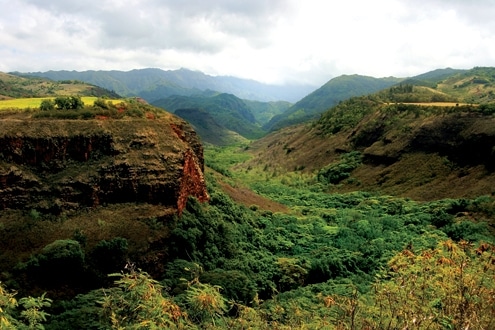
x=54 y=165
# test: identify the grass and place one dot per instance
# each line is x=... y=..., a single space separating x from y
x=34 y=102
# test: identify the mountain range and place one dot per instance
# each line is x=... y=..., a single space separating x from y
x=230 y=111
x=153 y=84
x=244 y=107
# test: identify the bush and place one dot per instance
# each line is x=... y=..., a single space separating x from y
x=137 y=303
x=47 y=104
x=235 y=284
x=60 y=262
x=336 y=172
x=109 y=256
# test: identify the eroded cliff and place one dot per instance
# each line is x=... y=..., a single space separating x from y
x=57 y=165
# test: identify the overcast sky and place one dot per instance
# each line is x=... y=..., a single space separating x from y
x=273 y=41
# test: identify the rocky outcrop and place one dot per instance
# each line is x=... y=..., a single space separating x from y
x=56 y=165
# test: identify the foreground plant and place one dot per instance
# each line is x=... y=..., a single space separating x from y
x=450 y=287
x=32 y=312
x=137 y=303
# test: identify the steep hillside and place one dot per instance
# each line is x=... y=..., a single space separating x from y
x=419 y=151
x=56 y=165
x=328 y=95
x=226 y=109
x=12 y=86
x=116 y=186
x=154 y=84
x=208 y=129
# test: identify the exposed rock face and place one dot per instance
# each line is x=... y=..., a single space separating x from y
x=55 y=165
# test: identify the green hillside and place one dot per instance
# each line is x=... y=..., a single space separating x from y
x=208 y=129
x=264 y=111
x=12 y=86
x=466 y=86
x=328 y=95
x=414 y=141
x=226 y=109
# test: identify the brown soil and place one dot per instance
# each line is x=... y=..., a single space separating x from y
x=247 y=197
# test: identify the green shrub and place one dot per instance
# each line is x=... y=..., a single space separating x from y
x=235 y=284
x=336 y=172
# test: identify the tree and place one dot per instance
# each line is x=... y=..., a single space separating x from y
x=47 y=104
x=69 y=103
x=101 y=103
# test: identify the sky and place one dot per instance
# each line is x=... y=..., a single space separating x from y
x=272 y=41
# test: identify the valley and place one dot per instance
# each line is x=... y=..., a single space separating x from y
x=368 y=208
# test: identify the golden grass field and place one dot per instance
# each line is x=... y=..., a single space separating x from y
x=434 y=104
x=34 y=102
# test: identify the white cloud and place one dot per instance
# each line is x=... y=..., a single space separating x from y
x=271 y=41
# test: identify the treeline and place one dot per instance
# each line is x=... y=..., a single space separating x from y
x=72 y=107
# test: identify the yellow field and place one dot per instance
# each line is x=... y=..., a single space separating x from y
x=439 y=104
x=436 y=104
x=35 y=102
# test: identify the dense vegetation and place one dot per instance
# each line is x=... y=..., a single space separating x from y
x=356 y=260
x=333 y=261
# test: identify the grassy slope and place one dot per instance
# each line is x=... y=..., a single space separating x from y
x=374 y=128
x=12 y=86
x=328 y=95
x=418 y=175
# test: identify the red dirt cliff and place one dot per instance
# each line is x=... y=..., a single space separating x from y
x=56 y=165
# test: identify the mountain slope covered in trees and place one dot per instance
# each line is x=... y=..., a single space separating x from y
x=328 y=95
x=154 y=84
x=226 y=109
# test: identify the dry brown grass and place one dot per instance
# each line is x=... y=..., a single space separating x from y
x=423 y=176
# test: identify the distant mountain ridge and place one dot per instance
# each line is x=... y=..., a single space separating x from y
x=253 y=119
x=217 y=115
x=152 y=84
